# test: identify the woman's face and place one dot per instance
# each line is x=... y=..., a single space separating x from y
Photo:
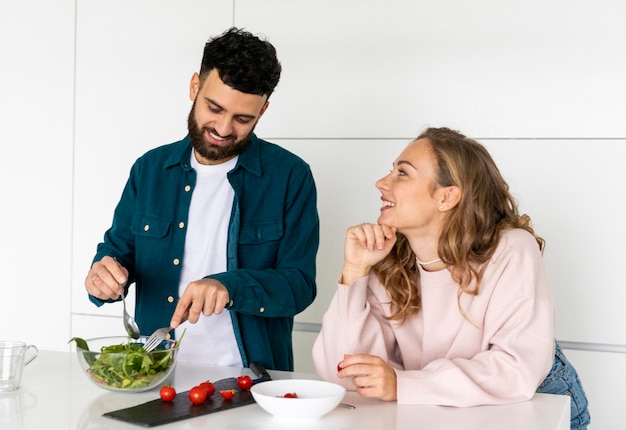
x=408 y=200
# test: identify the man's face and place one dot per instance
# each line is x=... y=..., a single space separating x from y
x=222 y=119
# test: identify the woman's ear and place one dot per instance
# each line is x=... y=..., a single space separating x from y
x=451 y=198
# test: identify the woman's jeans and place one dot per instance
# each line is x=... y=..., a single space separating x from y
x=563 y=379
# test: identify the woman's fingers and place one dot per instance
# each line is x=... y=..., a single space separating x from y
x=372 y=236
x=371 y=376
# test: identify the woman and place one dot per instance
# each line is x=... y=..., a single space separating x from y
x=445 y=301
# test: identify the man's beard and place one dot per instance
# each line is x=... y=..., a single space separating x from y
x=209 y=150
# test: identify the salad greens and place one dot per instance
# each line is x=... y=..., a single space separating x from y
x=126 y=365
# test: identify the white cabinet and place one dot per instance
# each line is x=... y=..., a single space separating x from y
x=492 y=68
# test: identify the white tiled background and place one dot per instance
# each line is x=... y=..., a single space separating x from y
x=87 y=86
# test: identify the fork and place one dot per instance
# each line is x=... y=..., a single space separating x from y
x=158 y=336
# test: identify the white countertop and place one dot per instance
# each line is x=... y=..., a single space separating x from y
x=55 y=394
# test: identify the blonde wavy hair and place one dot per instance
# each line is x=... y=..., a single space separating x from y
x=471 y=231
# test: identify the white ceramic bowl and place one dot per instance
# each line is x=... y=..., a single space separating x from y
x=315 y=398
x=123 y=370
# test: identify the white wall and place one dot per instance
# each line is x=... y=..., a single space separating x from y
x=87 y=86
x=36 y=150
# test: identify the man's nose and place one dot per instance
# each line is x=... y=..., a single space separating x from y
x=224 y=127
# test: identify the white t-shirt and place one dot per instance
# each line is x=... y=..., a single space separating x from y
x=212 y=339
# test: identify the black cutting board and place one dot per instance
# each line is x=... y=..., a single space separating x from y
x=157 y=412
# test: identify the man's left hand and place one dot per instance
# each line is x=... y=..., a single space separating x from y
x=207 y=296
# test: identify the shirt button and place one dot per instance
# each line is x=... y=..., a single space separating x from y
x=181 y=225
x=176 y=262
x=187 y=188
x=170 y=299
x=262 y=310
x=146 y=227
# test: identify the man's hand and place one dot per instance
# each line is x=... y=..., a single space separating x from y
x=105 y=279
x=207 y=296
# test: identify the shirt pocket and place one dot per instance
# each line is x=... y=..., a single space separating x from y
x=150 y=226
x=259 y=244
x=251 y=234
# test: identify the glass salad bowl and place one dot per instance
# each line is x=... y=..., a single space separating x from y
x=120 y=363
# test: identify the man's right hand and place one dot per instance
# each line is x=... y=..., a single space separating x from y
x=106 y=278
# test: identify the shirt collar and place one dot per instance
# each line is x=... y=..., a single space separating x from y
x=249 y=159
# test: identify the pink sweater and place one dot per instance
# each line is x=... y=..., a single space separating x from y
x=440 y=358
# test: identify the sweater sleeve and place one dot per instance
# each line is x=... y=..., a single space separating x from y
x=354 y=323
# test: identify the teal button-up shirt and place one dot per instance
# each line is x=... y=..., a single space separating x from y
x=273 y=238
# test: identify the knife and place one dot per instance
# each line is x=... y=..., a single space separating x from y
x=259 y=371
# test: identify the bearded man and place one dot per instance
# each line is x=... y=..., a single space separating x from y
x=220 y=229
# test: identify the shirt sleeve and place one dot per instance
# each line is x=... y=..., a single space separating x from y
x=280 y=281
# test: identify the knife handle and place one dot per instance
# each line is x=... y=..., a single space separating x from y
x=260 y=371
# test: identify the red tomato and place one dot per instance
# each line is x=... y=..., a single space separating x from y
x=197 y=395
x=209 y=387
x=290 y=396
x=244 y=382
x=167 y=393
x=227 y=394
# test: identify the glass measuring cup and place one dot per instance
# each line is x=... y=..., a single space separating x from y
x=14 y=356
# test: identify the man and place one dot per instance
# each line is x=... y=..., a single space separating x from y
x=220 y=220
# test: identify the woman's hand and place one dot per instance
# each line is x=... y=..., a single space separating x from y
x=371 y=376
x=365 y=245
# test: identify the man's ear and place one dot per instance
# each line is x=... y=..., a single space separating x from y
x=194 y=86
x=263 y=109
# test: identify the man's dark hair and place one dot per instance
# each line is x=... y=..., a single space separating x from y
x=244 y=62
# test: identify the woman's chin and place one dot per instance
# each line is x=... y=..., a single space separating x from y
x=382 y=219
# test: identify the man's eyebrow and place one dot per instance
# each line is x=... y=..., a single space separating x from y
x=220 y=107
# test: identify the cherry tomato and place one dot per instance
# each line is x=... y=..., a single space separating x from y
x=209 y=387
x=227 y=394
x=167 y=393
x=339 y=368
x=290 y=396
x=197 y=395
x=244 y=382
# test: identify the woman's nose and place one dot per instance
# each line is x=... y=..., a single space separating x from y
x=381 y=184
